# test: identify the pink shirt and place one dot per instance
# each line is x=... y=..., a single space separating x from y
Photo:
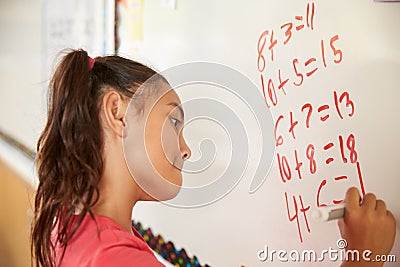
x=113 y=247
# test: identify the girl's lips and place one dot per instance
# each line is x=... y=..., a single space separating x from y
x=176 y=167
x=178 y=164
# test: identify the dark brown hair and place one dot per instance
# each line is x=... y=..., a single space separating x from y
x=69 y=157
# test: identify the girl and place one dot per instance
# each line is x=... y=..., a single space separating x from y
x=86 y=193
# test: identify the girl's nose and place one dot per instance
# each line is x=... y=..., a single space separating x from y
x=185 y=150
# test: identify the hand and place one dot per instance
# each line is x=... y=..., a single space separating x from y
x=367 y=226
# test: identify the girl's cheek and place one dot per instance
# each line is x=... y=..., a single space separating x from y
x=170 y=143
x=144 y=158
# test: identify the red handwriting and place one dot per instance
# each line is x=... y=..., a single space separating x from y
x=300 y=70
x=295 y=210
x=287 y=163
x=303 y=164
x=324 y=183
x=343 y=107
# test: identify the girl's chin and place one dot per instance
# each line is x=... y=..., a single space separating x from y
x=174 y=186
x=170 y=188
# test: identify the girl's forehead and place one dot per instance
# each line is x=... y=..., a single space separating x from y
x=166 y=98
x=169 y=96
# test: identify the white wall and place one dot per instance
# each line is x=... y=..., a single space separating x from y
x=33 y=32
x=21 y=84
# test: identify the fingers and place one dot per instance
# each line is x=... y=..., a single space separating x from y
x=369 y=201
x=391 y=216
x=368 y=225
x=381 y=207
x=352 y=198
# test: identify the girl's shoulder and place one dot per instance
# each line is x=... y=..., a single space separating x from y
x=104 y=243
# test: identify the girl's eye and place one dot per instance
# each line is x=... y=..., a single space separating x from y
x=175 y=122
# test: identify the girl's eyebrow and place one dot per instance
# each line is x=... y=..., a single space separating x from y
x=178 y=106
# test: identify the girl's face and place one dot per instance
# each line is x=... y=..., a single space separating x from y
x=154 y=146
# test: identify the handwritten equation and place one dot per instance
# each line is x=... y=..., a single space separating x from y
x=301 y=163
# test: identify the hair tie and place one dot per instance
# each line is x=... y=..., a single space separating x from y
x=91 y=62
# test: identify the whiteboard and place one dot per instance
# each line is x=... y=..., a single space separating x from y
x=343 y=52
x=76 y=24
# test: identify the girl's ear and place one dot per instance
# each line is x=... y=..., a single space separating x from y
x=113 y=109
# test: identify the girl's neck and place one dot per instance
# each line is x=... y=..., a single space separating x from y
x=118 y=193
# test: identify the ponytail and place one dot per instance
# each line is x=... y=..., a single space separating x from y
x=69 y=158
